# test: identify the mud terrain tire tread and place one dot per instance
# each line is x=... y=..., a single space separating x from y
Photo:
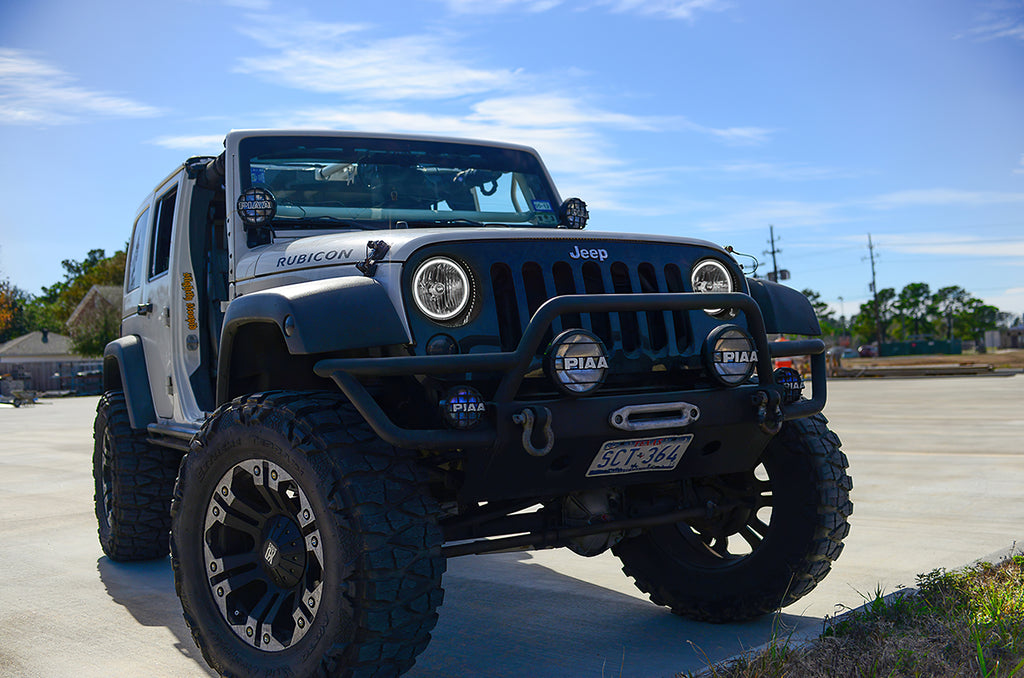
x=141 y=483
x=807 y=565
x=376 y=495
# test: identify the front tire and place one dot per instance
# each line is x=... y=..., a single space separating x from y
x=134 y=481
x=762 y=556
x=302 y=544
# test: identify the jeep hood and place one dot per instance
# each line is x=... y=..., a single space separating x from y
x=347 y=249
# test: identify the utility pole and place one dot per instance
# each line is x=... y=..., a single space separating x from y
x=775 y=275
x=773 y=251
x=874 y=292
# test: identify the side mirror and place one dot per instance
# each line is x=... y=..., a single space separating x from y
x=573 y=214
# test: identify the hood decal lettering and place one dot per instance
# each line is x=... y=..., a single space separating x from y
x=314 y=258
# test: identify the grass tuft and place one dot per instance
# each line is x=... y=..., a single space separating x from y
x=967 y=622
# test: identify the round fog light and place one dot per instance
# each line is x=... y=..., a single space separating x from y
x=576 y=362
x=791 y=382
x=463 y=407
x=730 y=355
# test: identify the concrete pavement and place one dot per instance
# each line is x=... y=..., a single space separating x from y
x=937 y=465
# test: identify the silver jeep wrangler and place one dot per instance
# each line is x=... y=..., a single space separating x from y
x=345 y=358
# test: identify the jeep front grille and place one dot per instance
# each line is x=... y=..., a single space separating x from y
x=520 y=290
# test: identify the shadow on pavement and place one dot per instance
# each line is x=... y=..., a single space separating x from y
x=507 y=616
x=146 y=590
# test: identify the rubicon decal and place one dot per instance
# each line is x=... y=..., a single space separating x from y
x=313 y=258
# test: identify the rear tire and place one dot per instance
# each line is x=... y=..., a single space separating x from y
x=747 y=563
x=302 y=544
x=134 y=482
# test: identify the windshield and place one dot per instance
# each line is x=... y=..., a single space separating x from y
x=338 y=182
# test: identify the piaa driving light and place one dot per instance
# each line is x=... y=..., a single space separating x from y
x=576 y=362
x=441 y=288
x=463 y=407
x=711 y=277
x=730 y=355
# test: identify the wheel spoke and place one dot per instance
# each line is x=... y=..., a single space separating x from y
x=750 y=537
x=758 y=526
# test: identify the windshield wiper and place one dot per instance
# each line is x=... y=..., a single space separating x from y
x=449 y=222
x=324 y=220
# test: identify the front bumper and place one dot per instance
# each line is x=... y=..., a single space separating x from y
x=734 y=425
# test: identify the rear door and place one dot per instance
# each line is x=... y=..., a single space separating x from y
x=148 y=304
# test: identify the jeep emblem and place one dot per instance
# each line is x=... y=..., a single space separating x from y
x=576 y=362
x=592 y=253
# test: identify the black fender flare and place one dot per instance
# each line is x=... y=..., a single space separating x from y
x=785 y=310
x=124 y=368
x=318 y=316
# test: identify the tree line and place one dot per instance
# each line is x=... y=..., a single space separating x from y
x=22 y=312
x=948 y=313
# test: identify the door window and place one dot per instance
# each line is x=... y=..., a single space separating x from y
x=160 y=252
x=133 y=276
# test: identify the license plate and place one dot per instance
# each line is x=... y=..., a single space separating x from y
x=633 y=456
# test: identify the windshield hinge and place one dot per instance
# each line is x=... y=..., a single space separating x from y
x=375 y=251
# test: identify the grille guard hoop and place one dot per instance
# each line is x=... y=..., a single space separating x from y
x=514 y=365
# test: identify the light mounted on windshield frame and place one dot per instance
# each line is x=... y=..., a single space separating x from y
x=573 y=214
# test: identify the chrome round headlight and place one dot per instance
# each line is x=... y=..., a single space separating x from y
x=441 y=288
x=711 y=277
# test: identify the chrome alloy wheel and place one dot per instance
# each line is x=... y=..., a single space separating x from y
x=264 y=555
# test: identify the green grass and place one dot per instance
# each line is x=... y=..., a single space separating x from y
x=967 y=622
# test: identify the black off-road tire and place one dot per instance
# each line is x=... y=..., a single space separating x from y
x=134 y=482
x=692 y=568
x=302 y=544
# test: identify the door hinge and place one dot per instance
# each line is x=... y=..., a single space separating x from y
x=170 y=386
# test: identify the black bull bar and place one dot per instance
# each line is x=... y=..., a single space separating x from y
x=514 y=365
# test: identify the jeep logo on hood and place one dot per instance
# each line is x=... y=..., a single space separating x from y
x=592 y=253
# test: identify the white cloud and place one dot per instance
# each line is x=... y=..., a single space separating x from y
x=758 y=214
x=498 y=6
x=942 y=197
x=945 y=244
x=1000 y=20
x=672 y=9
x=205 y=143
x=781 y=171
x=33 y=92
x=339 y=59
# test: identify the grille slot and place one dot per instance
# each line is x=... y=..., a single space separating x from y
x=518 y=293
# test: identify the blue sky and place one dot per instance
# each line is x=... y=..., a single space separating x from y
x=704 y=118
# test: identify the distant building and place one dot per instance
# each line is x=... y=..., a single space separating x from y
x=99 y=302
x=42 y=361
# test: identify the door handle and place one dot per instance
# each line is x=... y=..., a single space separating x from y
x=145 y=309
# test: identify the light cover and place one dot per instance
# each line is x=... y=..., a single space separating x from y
x=730 y=355
x=441 y=288
x=711 y=277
